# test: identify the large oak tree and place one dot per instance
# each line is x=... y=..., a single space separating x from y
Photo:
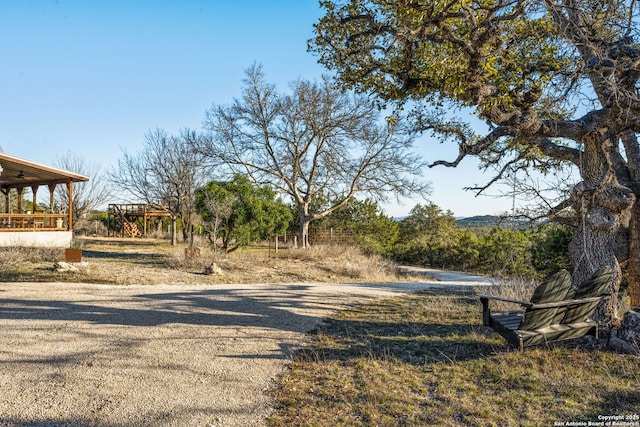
x=556 y=81
x=317 y=142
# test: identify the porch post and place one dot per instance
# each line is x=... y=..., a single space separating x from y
x=20 y=190
x=34 y=190
x=70 y=190
x=52 y=189
x=6 y=192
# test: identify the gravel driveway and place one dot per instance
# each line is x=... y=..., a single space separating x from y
x=80 y=354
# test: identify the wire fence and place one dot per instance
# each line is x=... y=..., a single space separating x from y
x=329 y=236
x=332 y=237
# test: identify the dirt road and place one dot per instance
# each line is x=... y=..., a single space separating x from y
x=79 y=354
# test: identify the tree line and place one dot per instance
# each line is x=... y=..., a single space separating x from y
x=430 y=236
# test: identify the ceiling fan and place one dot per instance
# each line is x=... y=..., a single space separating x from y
x=20 y=175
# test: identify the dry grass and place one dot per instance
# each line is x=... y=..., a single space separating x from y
x=424 y=360
x=13 y=256
x=346 y=262
x=518 y=288
x=153 y=261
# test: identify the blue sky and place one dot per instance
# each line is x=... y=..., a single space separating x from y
x=93 y=77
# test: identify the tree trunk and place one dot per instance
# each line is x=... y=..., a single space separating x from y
x=634 y=257
x=305 y=220
x=601 y=239
x=186 y=226
x=632 y=151
x=590 y=250
x=604 y=203
x=304 y=231
x=173 y=230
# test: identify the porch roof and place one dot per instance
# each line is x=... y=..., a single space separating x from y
x=24 y=173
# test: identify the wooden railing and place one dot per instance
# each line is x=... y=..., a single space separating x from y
x=33 y=222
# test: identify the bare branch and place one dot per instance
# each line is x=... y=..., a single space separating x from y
x=316 y=142
x=475 y=149
x=87 y=196
x=165 y=173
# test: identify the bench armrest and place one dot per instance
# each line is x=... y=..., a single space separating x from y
x=513 y=301
x=486 y=310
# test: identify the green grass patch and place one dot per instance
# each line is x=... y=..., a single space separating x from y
x=425 y=359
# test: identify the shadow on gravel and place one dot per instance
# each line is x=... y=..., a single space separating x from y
x=207 y=307
x=452 y=333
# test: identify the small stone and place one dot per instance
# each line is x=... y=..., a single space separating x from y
x=63 y=266
x=212 y=269
x=622 y=346
x=630 y=330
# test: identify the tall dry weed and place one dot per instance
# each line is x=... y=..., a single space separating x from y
x=10 y=257
x=515 y=288
x=349 y=261
x=194 y=259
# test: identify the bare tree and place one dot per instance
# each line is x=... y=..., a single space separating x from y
x=165 y=173
x=219 y=211
x=87 y=196
x=316 y=142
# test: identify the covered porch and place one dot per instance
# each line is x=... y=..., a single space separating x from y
x=30 y=224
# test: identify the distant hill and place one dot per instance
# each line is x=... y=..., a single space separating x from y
x=486 y=221
x=490 y=221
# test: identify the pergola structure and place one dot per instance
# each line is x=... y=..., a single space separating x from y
x=35 y=226
x=127 y=219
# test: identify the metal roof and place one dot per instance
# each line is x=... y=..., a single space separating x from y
x=23 y=173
